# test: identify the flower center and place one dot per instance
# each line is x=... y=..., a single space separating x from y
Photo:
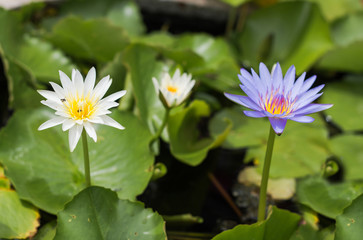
x=278 y=104
x=172 y=89
x=80 y=109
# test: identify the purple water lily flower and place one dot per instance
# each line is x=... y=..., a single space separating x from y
x=278 y=98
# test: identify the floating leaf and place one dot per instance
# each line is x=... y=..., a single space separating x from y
x=335 y=9
x=187 y=144
x=234 y=3
x=295 y=33
x=10 y=33
x=18 y=219
x=349 y=224
x=328 y=199
x=348 y=103
x=44 y=172
x=143 y=66
x=42 y=60
x=271 y=228
x=47 y=231
x=97 y=213
x=348 y=51
x=93 y=40
x=349 y=148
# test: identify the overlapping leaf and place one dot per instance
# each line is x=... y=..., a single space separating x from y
x=48 y=175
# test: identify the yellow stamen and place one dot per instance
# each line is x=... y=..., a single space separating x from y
x=80 y=109
x=172 y=89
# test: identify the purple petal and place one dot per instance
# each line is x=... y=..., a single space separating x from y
x=251 y=93
x=304 y=97
x=260 y=86
x=307 y=84
x=245 y=76
x=254 y=114
x=276 y=76
x=243 y=100
x=265 y=74
x=278 y=124
x=295 y=90
x=289 y=79
x=312 y=108
x=303 y=119
x=307 y=101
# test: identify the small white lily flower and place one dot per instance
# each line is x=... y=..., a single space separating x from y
x=79 y=105
x=174 y=90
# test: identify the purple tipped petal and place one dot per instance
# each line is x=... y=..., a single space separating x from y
x=251 y=93
x=289 y=79
x=245 y=76
x=276 y=75
x=278 y=124
x=243 y=100
x=303 y=98
x=307 y=84
x=265 y=74
x=260 y=86
x=303 y=119
x=297 y=86
x=312 y=108
x=254 y=114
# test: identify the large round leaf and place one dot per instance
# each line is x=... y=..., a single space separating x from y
x=288 y=32
x=97 y=213
x=95 y=39
x=349 y=224
x=348 y=52
x=18 y=219
x=271 y=228
x=326 y=198
x=48 y=175
x=186 y=142
x=348 y=103
x=349 y=148
x=299 y=151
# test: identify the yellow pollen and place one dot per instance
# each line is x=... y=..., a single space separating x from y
x=278 y=104
x=80 y=109
x=172 y=89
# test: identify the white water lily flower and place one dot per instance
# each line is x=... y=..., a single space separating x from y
x=174 y=90
x=79 y=105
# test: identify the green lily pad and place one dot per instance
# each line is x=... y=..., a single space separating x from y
x=93 y=40
x=10 y=32
x=245 y=132
x=45 y=173
x=97 y=213
x=349 y=224
x=287 y=32
x=124 y=13
x=143 y=66
x=290 y=157
x=269 y=229
x=234 y=3
x=18 y=219
x=187 y=144
x=336 y=196
x=348 y=101
x=47 y=231
x=349 y=45
x=349 y=148
x=307 y=232
x=335 y=9
x=43 y=60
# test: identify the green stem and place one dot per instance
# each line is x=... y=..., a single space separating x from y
x=163 y=124
x=265 y=173
x=86 y=159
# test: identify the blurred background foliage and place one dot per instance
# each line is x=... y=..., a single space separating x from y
x=322 y=162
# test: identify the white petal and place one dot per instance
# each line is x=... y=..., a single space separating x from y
x=156 y=85
x=110 y=122
x=54 y=105
x=49 y=95
x=67 y=124
x=90 y=80
x=66 y=82
x=90 y=130
x=114 y=96
x=101 y=88
x=96 y=120
x=78 y=83
x=58 y=90
x=51 y=123
x=74 y=135
x=107 y=105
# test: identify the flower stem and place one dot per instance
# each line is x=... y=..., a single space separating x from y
x=265 y=174
x=163 y=124
x=86 y=159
